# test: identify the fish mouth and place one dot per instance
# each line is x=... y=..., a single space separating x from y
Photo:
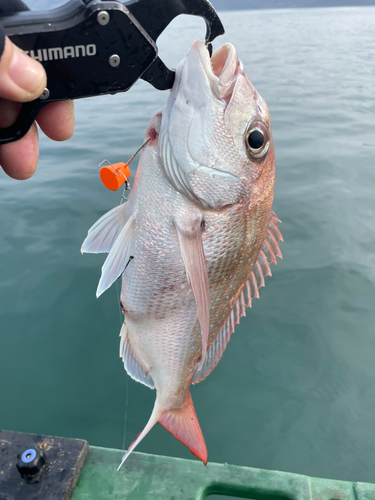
x=221 y=69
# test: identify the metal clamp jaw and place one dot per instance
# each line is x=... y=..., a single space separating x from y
x=91 y=48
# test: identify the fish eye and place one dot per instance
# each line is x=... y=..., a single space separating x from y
x=257 y=139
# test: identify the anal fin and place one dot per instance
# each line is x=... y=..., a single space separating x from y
x=131 y=364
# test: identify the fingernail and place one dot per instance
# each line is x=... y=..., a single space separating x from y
x=25 y=72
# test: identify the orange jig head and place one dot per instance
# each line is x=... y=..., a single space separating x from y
x=114 y=176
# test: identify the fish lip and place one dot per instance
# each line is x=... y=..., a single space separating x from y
x=222 y=83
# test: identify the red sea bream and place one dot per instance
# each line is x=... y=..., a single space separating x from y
x=199 y=227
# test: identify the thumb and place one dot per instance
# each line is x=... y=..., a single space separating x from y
x=22 y=78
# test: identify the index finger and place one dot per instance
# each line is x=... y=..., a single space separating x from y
x=22 y=78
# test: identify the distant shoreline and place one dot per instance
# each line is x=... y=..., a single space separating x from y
x=235 y=5
x=232 y=5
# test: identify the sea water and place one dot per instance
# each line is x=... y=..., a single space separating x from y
x=295 y=389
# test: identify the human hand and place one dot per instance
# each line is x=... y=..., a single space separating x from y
x=23 y=79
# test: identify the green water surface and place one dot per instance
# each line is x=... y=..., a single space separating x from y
x=295 y=390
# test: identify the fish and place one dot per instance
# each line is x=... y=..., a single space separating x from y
x=196 y=236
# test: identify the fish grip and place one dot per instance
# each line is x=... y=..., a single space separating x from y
x=97 y=47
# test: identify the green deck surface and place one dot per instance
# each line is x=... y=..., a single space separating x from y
x=165 y=478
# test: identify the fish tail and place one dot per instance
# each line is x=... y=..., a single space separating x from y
x=156 y=414
x=183 y=425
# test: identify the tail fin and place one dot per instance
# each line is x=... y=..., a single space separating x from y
x=156 y=414
x=183 y=425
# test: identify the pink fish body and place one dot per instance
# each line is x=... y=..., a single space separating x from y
x=196 y=236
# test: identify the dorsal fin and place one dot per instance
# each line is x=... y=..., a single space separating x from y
x=250 y=290
x=131 y=364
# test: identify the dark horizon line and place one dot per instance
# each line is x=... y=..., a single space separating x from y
x=222 y=5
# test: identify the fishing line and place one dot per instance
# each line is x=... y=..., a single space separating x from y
x=117 y=172
x=126 y=411
x=127 y=382
x=139 y=149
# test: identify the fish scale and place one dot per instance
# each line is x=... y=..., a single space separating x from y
x=199 y=227
x=145 y=281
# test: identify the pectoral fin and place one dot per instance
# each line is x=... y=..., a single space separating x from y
x=190 y=238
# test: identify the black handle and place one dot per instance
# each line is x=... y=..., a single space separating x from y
x=26 y=117
x=157 y=14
